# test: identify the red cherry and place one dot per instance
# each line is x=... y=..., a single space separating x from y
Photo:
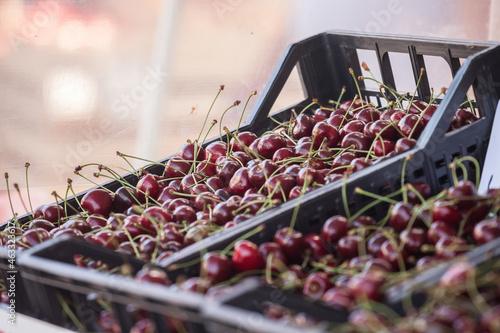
x=486 y=231
x=450 y=246
x=357 y=141
x=147 y=187
x=316 y=285
x=422 y=188
x=366 y=286
x=279 y=186
x=224 y=212
x=413 y=239
x=353 y=126
x=463 y=193
x=215 y=150
x=246 y=256
x=216 y=267
x=404 y=144
x=242 y=141
x=269 y=143
x=240 y=182
x=35 y=224
x=303 y=126
x=325 y=135
x=153 y=275
x=272 y=251
x=191 y=151
x=400 y=216
x=176 y=168
x=33 y=237
x=411 y=125
x=291 y=242
x=339 y=298
x=390 y=252
x=438 y=230
x=97 y=201
x=316 y=246
x=367 y=115
x=447 y=212
x=52 y=213
x=348 y=246
x=382 y=147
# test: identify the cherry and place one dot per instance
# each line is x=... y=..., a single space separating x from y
x=153 y=275
x=107 y=238
x=404 y=144
x=339 y=298
x=366 y=286
x=259 y=173
x=464 y=117
x=253 y=202
x=377 y=265
x=357 y=141
x=184 y=213
x=214 y=183
x=77 y=223
x=96 y=221
x=97 y=201
x=242 y=141
x=413 y=239
x=315 y=245
x=382 y=147
x=224 y=212
x=205 y=168
x=359 y=163
x=367 y=115
x=191 y=151
x=457 y=274
x=171 y=205
x=337 y=120
x=353 y=126
x=291 y=242
x=353 y=104
x=348 y=246
x=133 y=225
x=246 y=256
x=226 y=168
x=206 y=201
x=303 y=126
x=189 y=181
x=325 y=135
x=215 y=150
x=269 y=143
x=450 y=246
x=384 y=129
x=486 y=231
x=283 y=155
x=147 y=187
x=52 y=213
x=35 y=224
x=115 y=220
x=273 y=250
x=324 y=112
x=411 y=125
x=279 y=186
x=400 y=216
x=176 y=168
x=303 y=148
x=316 y=285
x=438 y=230
x=390 y=252
x=463 y=193
x=375 y=243
x=241 y=157
x=158 y=215
x=444 y=211
x=422 y=188
x=240 y=182
x=386 y=115
x=33 y=237
x=71 y=232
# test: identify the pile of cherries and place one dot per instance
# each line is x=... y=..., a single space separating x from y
x=351 y=262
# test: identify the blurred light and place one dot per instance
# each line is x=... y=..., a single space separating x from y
x=69 y=93
x=71 y=35
x=100 y=33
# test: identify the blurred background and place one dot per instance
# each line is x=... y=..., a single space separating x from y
x=82 y=79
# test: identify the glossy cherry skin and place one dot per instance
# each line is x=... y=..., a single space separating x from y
x=411 y=125
x=486 y=231
x=291 y=242
x=390 y=252
x=52 y=213
x=33 y=237
x=325 y=135
x=359 y=163
x=384 y=129
x=463 y=192
x=303 y=126
x=353 y=126
x=401 y=216
x=269 y=143
x=153 y=275
x=348 y=246
x=216 y=267
x=215 y=150
x=147 y=187
x=107 y=238
x=43 y=224
x=316 y=285
x=259 y=173
x=240 y=182
x=279 y=186
x=97 y=201
x=191 y=151
x=252 y=203
x=367 y=115
x=184 y=214
x=226 y=168
x=189 y=181
x=422 y=188
x=77 y=223
x=404 y=144
x=176 y=168
x=413 y=239
x=242 y=141
x=246 y=256
x=375 y=243
x=456 y=274
x=315 y=245
x=273 y=255
x=446 y=212
x=450 y=246
x=357 y=141
x=283 y=155
x=438 y=230
x=224 y=212
x=366 y=287
x=383 y=147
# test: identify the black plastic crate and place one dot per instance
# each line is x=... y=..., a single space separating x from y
x=50 y=275
x=323 y=61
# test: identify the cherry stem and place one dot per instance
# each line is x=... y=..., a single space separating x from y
x=314 y=102
x=380 y=198
x=351 y=71
x=342 y=92
x=209 y=129
x=14 y=214
x=422 y=70
x=472 y=108
x=16 y=186
x=244 y=236
x=344 y=197
x=27 y=165
x=244 y=108
x=221 y=87
x=477 y=299
x=69 y=312
x=373 y=203
x=222 y=117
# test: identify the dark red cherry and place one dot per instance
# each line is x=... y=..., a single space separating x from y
x=450 y=246
x=353 y=104
x=457 y=274
x=240 y=182
x=382 y=147
x=246 y=256
x=176 y=168
x=303 y=126
x=205 y=168
x=316 y=246
x=283 y=155
x=424 y=192
x=226 y=168
x=404 y=144
x=348 y=246
x=464 y=117
x=33 y=237
x=259 y=173
x=107 y=238
x=77 y=223
x=184 y=214
x=216 y=267
x=97 y=201
x=339 y=298
x=206 y=201
x=147 y=187
x=214 y=183
x=191 y=151
x=189 y=181
x=337 y=121
x=325 y=135
x=366 y=287
x=384 y=129
x=486 y=231
x=269 y=143
x=71 y=232
x=242 y=141
x=224 y=212
x=360 y=163
x=196 y=234
x=324 y=111
x=374 y=244
x=215 y=150
x=153 y=275
x=291 y=242
x=411 y=126
x=401 y=215
x=413 y=239
x=438 y=230
x=53 y=213
x=353 y=126
x=357 y=141
x=446 y=212
x=43 y=224
x=273 y=255
x=252 y=203
x=367 y=115
x=391 y=252
x=316 y=285
x=279 y=186
x=463 y=193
